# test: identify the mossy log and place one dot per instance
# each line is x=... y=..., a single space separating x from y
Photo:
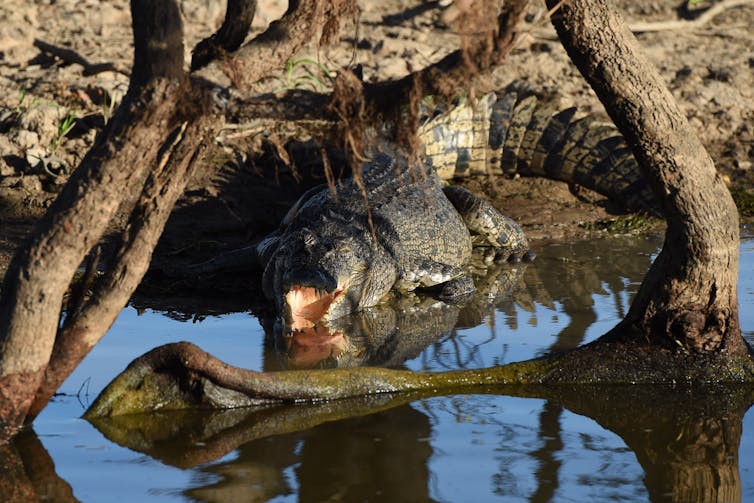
x=181 y=376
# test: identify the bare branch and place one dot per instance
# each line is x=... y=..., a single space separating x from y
x=72 y=57
x=238 y=17
x=269 y=51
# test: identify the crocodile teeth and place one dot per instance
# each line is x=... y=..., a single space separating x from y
x=309 y=305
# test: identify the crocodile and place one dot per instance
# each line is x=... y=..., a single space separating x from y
x=519 y=132
x=335 y=254
x=394 y=229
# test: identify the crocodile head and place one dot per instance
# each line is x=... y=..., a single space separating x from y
x=314 y=278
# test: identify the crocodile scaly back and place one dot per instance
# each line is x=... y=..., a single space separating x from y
x=519 y=133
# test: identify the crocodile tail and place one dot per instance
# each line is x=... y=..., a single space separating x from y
x=521 y=133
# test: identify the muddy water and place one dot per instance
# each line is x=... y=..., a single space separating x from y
x=618 y=443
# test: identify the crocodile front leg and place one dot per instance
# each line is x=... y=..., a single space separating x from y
x=495 y=229
x=451 y=283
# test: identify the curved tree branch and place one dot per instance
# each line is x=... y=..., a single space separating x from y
x=182 y=376
x=238 y=17
x=688 y=298
x=258 y=58
x=39 y=275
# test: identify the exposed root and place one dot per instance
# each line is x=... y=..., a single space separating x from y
x=182 y=376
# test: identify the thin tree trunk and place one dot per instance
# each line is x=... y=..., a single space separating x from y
x=163 y=188
x=39 y=276
x=110 y=176
x=688 y=297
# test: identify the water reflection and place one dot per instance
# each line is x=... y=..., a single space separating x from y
x=547 y=456
x=471 y=447
x=27 y=472
x=341 y=448
x=391 y=333
x=571 y=274
x=686 y=441
x=400 y=330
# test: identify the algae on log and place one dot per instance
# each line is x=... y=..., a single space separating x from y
x=182 y=376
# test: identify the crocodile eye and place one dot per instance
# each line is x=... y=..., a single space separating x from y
x=344 y=249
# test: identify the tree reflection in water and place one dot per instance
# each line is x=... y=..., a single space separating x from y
x=685 y=440
x=27 y=472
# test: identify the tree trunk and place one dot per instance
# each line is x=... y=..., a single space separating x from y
x=109 y=178
x=688 y=297
x=38 y=276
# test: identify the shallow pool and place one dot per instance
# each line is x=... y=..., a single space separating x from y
x=469 y=447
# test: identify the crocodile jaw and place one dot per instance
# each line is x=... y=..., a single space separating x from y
x=311 y=347
x=309 y=305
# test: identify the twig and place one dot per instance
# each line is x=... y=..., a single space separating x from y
x=700 y=21
x=656 y=26
x=72 y=57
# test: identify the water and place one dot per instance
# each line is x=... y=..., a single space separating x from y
x=474 y=447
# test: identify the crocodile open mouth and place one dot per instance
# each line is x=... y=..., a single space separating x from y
x=309 y=347
x=309 y=305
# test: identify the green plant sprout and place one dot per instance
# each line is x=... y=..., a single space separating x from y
x=64 y=127
x=316 y=80
x=23 y=102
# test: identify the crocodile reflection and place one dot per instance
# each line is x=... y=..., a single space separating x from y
x=565 y=279
x=391 y=333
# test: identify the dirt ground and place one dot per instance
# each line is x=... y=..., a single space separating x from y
x=51 y=109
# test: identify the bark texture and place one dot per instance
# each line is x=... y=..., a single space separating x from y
x=39 y=275
x=162 y=189
x=688 y=297
x=238 y=17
